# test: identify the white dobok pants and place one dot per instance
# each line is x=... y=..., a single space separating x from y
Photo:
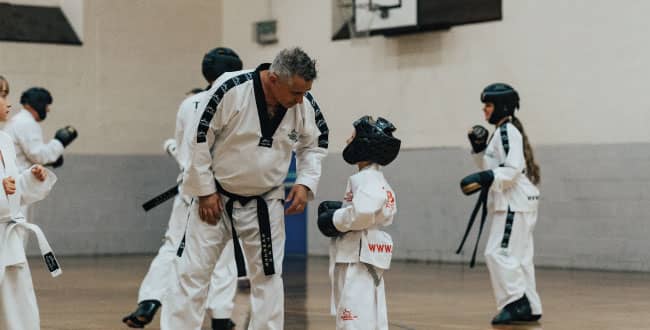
x=509 y=257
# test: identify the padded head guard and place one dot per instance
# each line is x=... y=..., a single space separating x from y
x=38 y=98
x=373 y=141
x=505 y=99
x=218 y=61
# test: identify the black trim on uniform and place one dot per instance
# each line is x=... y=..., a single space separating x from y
x=181 y=246
x=510 y=217
x=503 y=129
x=215 y=99
x=323 y=138
x=267 y=125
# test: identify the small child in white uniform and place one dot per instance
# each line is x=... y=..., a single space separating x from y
x=360 y=251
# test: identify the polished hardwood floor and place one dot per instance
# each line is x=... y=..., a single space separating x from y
x=94 y=293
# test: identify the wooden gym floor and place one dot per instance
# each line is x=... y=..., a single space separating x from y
x=95 y=293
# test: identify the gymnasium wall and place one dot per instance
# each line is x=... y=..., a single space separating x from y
x=581 y=69
x=121 y=90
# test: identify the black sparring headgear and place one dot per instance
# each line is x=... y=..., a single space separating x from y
x=373 y=141
x=38 y=98
x=218 y=61
x=505 y=99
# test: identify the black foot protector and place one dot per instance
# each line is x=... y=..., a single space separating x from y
x=516 y=311
x=143 y=314
x=223 y=324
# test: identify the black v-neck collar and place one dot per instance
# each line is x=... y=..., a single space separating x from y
x=268 y=125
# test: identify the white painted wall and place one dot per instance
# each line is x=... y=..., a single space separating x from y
x=122 y=87
x=580 y=66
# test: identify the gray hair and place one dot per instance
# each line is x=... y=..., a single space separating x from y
x=294 y=61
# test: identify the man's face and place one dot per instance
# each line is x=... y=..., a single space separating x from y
x=291 y=91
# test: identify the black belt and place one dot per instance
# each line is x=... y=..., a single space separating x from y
x=168 y=194
x=264 y=225
x=481 y=202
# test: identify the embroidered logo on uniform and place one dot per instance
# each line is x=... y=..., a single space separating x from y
x=348 y=196
x=390 y=199
x=293 y=135
x=265 y=142
x=533 y=198
x=347 y=315
x=380 y=248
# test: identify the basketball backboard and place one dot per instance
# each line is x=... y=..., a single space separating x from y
x=372 y=15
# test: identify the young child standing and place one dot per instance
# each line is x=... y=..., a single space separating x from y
x=18 y=307
x=360 y=251
x=510 y=175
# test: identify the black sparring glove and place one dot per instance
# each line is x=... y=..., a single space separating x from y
x=57 y=163
x=476 y=181
x=329 y=205
x=326 y=211
x=478 y=137
x=66 y=135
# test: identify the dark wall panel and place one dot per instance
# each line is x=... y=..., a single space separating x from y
x=35 y=24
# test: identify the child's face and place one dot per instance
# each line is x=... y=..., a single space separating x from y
x=488 y=108
x=349 y=140
x=4 y=109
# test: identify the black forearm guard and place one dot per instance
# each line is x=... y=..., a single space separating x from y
x=476 y=181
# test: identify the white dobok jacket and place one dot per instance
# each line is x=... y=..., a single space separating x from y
x=234 y=140
x=368 y=205
x=12 y=221
x=511 y=187
x=27 y=135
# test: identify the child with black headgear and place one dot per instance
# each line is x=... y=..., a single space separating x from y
x=508 y=184
x=359 y=250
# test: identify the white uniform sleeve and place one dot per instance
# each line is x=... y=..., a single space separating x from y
x=311 y=148
x=171 y=145
x=31 y=189
x=30 y=140
x=198 y=178
x=180 y=124
x=365 y=211
x=505 y=175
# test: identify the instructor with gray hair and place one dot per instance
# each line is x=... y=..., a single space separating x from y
x=241 y=149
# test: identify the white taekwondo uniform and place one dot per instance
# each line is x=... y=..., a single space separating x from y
x=18 y=307
x=27 y=135
x=512 y=209
x=359 y=257
x=236 y=144
x=162 y=271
